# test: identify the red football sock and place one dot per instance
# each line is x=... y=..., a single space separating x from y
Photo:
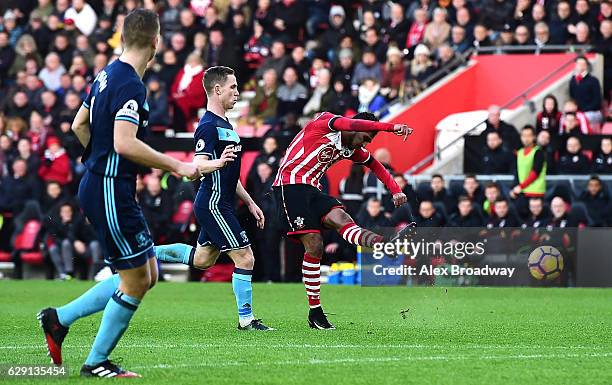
x=311 y=272
x=359 y=236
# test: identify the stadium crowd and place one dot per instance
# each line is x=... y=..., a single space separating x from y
x=297 y=58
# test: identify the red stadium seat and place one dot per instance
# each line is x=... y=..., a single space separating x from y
x=26 y=243
x=5 y=256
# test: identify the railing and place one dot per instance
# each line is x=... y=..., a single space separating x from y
x=522 y=95
x=535 y=49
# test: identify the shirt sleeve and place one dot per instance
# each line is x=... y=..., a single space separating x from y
x=206 y=139
x=361 y=156
x=127 y=103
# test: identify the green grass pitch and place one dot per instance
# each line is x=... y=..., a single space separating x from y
x=186 y=334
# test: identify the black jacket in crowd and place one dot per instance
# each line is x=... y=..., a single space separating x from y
x=574 y=164
x=497 y=161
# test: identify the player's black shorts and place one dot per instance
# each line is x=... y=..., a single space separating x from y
x=111 y=207
x=220 y=228
x=301 y=208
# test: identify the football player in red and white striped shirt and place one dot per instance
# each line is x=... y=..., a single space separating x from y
x=304 y=209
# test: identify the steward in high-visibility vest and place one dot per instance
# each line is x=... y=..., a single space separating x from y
x=530 y=167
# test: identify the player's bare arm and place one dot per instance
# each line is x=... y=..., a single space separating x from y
x=80 y=126
x=207 y=166
x=129 y=146
x=361 y=125
x=253 y=208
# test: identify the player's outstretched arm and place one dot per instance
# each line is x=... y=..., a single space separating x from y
x=80 y=126
x=207 y=166
x=253 y=208
x=129 y=146
x=340 y=123
x=399 y=198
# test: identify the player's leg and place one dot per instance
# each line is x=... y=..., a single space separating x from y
x=176 y=253
x=311 y=273
x=134 y=284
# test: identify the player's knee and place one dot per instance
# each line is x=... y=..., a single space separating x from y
x=243 y=258
x=203 y=260
x=314 y=246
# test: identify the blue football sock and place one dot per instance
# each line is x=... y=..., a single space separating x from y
x=115 y=321
x=90 y=302
x=243 y=290
x=176 y=252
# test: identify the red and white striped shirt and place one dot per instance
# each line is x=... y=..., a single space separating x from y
x=318 y=146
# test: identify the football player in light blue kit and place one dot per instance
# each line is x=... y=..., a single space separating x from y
x=111 y=124
x=217 y=154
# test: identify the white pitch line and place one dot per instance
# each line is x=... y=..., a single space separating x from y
x=312 y=346
x=373 y=360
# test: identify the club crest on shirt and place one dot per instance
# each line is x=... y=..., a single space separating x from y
x=200 y=145
x=299 y=222
x=245 y=239
x=142 y=238
x=326 y=155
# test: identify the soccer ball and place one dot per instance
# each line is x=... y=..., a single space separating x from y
x=545 y=262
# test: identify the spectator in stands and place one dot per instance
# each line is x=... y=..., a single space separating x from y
x=550 y=117
x=373 y=217
x=407 y=190
x=502 y=217
x=370 y=97
x=459 y=41
x=559 y=24
x=7 y=56
x=603 y=161
x=290 y=18
x=472 y=189
x=481 y=37
x=571 y=125
x=570 y=106
x=464 y=20
x=53 y=196
x=438 y=193
x=421 y=68
x=19 y=106
x=373 y=42
x=341 y=101
x=522 y=12
x=445 y=58
x=83 y=15
x=187 y=94
x=24 y=152
x=597 y=202
x=345 y=68
x=270 y=154
x=583 y=13
x=303 y=66
x=263 y=106
x=585 y=89
x=157 y=206
x=367 y=68
x=604 y=47
x=25 y=49
x=157 y=98
x=55 y=165
x=63 y=47
x=508 y=133
x=537 y=217
x=428 y=216
x=277 y=61
x=496 y=159
x=492 y=194
x=582 y=34
x=530 y=171
x=542 y=35
x=51 y=74
x=398 y=26
x=338 y=27
x=438 y=31
x=18 y=188
x=560 y=214
x=416 y=33
x=466 y=215
x=574 y=162
x=321 y=95
x=291 y=94
x=543 y=141
x=394 y=73
x=522 y=37
x=189 y=27
x=256 y=49
x=170 y=18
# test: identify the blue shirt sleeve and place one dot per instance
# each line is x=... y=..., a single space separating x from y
x=128 y=101
x=206 y=138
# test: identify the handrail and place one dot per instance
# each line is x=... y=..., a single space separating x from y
x=535 y=49
x=522 y=95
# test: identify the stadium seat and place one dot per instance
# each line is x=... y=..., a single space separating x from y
x=580 y=213
x=455 y=187
x=423 y=189
x=580 y=186
x=562 y=188
x=182 y=216
x=178 y=155
x=26 y=243
x=5 y=256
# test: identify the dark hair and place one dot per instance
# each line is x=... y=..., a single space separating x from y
x=437 y=176
x=139 y=28
x=463 y=198
x=595 y=177
x=530 y=128
x=366 y=115
x=494 y=132
x=536 y=199
x=470 y=176
x=502 y=199
x=556 y=103
x=216 y=75
x=492 y=185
